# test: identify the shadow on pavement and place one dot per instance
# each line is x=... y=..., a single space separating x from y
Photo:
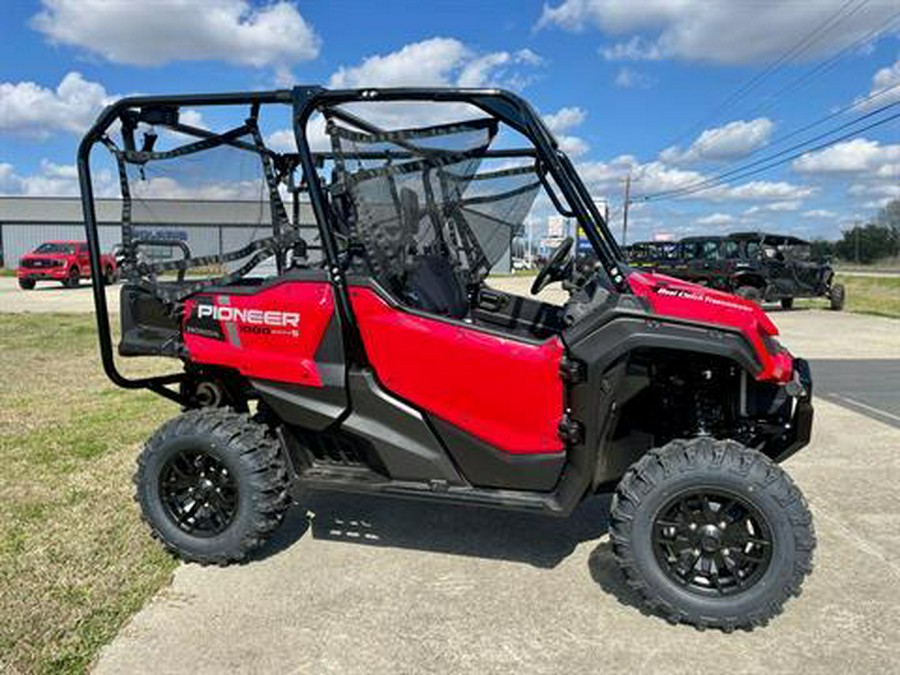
x=539 y=540
x=606 y=573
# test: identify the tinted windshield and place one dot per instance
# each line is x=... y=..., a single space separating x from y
x=52 y=247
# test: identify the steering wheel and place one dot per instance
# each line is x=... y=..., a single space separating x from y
x=555 y=268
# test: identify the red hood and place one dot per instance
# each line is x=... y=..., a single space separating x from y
x=680 y=299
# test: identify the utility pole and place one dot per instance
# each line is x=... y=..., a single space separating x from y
x=625 y=210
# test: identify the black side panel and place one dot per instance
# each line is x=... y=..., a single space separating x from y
x=485 y=466
x=595 y=400
x=518 y=315
x=313 y=408
x=147 y=328
x=400 y=434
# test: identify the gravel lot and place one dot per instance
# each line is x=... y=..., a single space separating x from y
x=368 y=585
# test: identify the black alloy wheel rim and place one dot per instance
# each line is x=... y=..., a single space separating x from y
x=199 y=493
x=712 y=542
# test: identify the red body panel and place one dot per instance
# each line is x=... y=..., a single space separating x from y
x=676 y=298
x=505 y=392
x=267 y=343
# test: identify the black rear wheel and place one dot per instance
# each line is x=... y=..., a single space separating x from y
x=26 y=284
x=749 y=293
x=787 y=303
x=837 y=297
x=109 y=276
x=711 y=533
x=212 y=485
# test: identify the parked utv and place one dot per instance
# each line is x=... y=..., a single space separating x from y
x=377 y=358
x=754 y=265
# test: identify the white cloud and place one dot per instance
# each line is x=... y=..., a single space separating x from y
x=438 y=61
x=635 y=49
x=723 y=32
x=606 y=178
x=573 y=145
x=873 y=168
x=52 y=180
x=562 y=121
x=565 y=119
x=428 y=63
x=32 y=110
x=775 y=207
x=628 y=78
x=435 y=62
x=163 y=31
x=716 y=219
x=885 y=88
x=164 y=187
x=819 y=213
x=283 y=140
x=766 y=190
x=732 y=141
x=857 y=156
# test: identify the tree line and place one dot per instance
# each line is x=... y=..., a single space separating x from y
x=866 y=243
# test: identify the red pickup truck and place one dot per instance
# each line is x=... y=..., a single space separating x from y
x=65 y=261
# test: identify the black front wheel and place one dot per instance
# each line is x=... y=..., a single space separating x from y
x=26 y=284
x=711 y=533
x=73 y=279
x=787 y=303
x=212 y=485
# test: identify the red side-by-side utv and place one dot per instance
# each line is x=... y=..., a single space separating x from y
x=350 y=340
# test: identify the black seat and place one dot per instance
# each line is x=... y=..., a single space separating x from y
x=433 y=286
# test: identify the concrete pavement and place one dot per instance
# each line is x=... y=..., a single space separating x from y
x=369 y=585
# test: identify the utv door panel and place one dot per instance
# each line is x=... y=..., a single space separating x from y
x=506 y=392
x=271 y=334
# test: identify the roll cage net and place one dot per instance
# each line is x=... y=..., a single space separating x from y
x=413 y=193
x=396 y=196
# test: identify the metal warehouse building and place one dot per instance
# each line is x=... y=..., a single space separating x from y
x=208 y=227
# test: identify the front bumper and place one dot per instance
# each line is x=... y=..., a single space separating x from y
x=801 y=421
x=42 y=273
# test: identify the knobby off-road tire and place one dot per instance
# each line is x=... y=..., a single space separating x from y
x=244 y=477
x=837 y=297
x=73 y=280
x=777 y=510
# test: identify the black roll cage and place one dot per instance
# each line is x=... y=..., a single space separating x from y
x=306 y=100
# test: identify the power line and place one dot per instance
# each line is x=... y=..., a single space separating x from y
x=837 y=113
x=718 y=178
x=799 y=48
x=702 y=187
x=824 y=67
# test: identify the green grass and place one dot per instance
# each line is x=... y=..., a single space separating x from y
x=75 y=560
x=872 y=295
x=866 y=295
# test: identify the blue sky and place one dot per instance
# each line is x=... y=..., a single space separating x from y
x=670 y=92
